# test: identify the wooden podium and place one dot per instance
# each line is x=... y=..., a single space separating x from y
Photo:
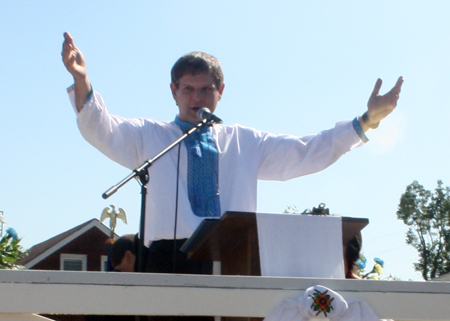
x=233 y=240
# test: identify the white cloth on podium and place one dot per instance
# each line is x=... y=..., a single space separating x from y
x=300 y=245
x=321 y=303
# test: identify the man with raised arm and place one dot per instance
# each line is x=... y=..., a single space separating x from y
x=216 y=169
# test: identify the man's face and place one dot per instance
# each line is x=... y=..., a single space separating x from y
x=127 y=263
x=194 y=92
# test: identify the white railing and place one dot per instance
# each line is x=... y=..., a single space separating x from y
x=25 y=293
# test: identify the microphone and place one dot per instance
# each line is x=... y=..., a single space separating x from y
x=205 y=113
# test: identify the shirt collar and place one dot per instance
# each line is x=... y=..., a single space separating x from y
x=185 y=126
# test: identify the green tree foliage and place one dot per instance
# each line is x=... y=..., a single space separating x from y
x=427 y=214
x=291 y=210
x=10 y=250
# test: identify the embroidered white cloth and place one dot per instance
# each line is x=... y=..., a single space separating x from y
x=321 y=303
x=300 y=245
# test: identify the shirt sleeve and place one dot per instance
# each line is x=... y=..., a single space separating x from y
x=284 y=157
x=359 y=130
x=71 y=92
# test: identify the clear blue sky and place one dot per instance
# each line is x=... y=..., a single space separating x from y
x=292 y=67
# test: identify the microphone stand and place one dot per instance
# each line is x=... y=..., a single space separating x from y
x=141 y=173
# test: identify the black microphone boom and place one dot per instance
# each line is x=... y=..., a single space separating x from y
x=205 y=113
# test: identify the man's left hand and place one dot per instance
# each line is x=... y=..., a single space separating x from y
x=379 y=106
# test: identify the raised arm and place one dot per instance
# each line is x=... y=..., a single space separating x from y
x=75 y=64
x=379 y=106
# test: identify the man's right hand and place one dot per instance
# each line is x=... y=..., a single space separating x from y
x=73 y=58
x=75 y=64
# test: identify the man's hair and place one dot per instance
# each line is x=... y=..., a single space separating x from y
x=195 y=63
x=120 y=246
x=353 y=250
